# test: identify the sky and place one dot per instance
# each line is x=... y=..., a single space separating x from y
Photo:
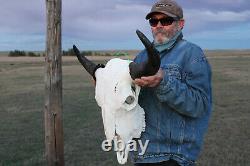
x=111 y=24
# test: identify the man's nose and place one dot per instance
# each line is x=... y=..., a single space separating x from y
x=159 y=24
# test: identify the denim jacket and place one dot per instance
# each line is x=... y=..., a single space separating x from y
x=177 y=111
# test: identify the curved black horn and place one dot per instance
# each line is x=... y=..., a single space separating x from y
x=149 y=67
x=87 y=64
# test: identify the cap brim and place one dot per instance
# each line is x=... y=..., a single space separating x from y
x=149 y=15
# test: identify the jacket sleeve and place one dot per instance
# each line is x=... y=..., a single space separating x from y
x=188 y=93
x=140 y=57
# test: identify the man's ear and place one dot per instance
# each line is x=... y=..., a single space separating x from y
x=181 y=23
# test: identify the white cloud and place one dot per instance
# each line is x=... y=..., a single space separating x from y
x=99 y=22
x=219 y=16
x=114 y=22
x=202 y=20
x=226 y=2
x=227 y=33
x=26 y=16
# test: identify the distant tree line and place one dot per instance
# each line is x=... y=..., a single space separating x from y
x=69 y=52
x=18 y=53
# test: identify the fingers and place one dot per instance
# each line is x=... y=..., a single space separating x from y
x=147 y=82
x=140 y=82
x=150 y=81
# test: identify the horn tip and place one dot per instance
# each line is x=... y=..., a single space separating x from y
x=74 y=46
x=76 y=50
x=138 y=32
x=141 y=35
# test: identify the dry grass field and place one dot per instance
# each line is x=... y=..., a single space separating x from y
x=227 y=142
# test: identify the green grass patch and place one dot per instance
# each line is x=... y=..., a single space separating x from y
x=21 y=110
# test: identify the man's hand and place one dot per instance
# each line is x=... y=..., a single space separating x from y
x=150 y=81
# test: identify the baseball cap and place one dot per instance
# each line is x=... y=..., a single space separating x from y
x=168 y=7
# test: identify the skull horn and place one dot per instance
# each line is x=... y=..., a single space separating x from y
x=87 y=64
x=151 y=65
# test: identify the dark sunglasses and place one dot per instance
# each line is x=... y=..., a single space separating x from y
x=164 y=21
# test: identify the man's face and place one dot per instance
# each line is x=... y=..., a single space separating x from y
x=163 y=33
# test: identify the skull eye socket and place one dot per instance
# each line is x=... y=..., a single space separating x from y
x=129 y=100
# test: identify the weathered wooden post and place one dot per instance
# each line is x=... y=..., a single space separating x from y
x=54 y=149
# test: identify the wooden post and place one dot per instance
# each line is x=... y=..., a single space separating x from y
x=54 y=149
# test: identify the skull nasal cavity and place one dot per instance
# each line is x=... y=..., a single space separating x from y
x=130 y=99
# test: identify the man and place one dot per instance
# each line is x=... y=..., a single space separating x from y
x=177 y=100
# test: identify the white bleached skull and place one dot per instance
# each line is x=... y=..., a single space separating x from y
x=118 y=96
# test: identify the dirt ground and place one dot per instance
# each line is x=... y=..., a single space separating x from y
x=226 y=143
x=209 y=54
x=65 y=59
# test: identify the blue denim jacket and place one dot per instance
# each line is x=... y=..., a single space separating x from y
x=178 y=110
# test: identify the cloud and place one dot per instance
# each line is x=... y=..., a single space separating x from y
x=102 y=24
x=111 y=21
x=228 y=38
x=221 y=16
x=26 y=16
x=197 y=20
x=216 y=5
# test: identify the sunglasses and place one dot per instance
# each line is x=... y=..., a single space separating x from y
x=164 y=21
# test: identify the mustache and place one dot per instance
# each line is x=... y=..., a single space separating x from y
x=160 y=30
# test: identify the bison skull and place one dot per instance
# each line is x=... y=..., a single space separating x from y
x=117 y=95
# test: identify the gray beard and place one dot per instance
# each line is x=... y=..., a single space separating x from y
x=166 y=35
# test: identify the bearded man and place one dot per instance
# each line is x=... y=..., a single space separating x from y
x=177 y=100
